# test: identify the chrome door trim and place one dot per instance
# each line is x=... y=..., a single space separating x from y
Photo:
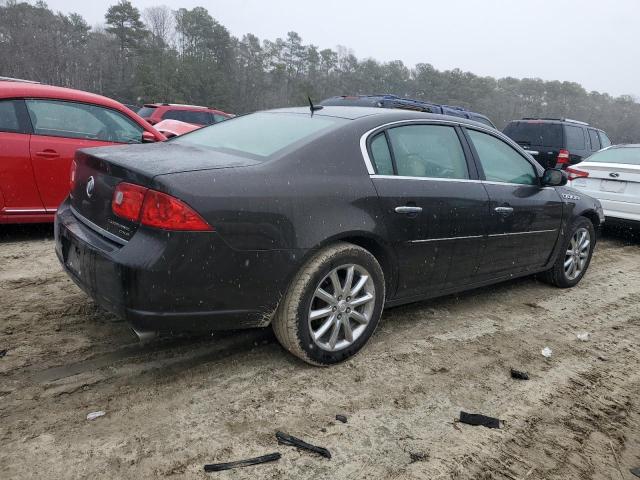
x=445 y=239
x=24 y=210
x=480 y=236
x=521 y=233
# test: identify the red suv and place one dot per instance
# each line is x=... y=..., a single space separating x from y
x=41 y=127
x=201 y=116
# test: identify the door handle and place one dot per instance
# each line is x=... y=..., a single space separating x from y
x=504 y=210
x=408 y=210
x=48 y=153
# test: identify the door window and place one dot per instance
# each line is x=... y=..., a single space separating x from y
x=500 y=162
x=381 y=155
x=595 y=141
x=575 y=138
x=604 y=140
x=219 y=118
x=78 y=120
x=9 y=117
x=428 y=151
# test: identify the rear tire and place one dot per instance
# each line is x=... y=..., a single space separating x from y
x=332 y=306
x=574 y=256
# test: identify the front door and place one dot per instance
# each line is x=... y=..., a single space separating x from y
x=435 y=211
x=525 y=217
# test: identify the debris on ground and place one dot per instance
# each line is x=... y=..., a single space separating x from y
x=341 y=418
x=286 y=439
x=519 y=374
x=218 y=467
x=418 y=457
x=584 y=337
x=3 y=353
x=94 y=415
x=546 y=352
x=635 y=471
x=478 y=419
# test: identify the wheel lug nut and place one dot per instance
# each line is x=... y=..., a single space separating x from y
x=339 y=316
x=348 y=310
x=348 y=299
x=333 y=309
x=340 y=297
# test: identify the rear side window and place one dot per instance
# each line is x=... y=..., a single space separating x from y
x=535 y=133
x=219 y=118
x=575 y=138
x=428 y=151
x=189 y=116
x=146 y=112
x=482 y=120
x=9 y=116
x=595 y=141
x=381 y=155
x=500 y=162
x=79 y=120
x=604 y=140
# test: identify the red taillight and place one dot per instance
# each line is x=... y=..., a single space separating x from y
x=127 y=201
x=155 y=209
x=563 y=157
x=72 y=176
x=574 y=173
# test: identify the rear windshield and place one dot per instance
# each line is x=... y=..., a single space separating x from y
x=146 y=111
x=535 y=133
x=351 y=102
x=261 y=134
x=628 y=155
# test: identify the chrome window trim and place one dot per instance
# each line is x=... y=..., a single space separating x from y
x=98 y=229
x=438 y=179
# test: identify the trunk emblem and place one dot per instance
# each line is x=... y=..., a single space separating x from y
x=91 y=183
x=614 y=175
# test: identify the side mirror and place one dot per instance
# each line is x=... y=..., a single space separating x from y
x=554 y=177
x=148 y=137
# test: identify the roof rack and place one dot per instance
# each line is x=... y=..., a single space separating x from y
x=562 y=119
x=11 y=79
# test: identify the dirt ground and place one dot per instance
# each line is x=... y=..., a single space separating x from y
x=176 y=404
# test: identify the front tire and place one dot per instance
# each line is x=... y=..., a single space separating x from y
x=332 y=306
x=575 y=255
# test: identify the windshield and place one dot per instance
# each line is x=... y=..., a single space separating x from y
x=535 y=133
x=261 y=134
x=628 y=155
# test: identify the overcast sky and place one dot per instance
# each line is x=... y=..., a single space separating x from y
x=592 y=42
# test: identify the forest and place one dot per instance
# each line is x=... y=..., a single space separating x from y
x=186 y=56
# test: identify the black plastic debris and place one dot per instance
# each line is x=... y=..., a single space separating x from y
x=479 y=420
x=635 y=471
x=341 y=418
x=418 y=457
x=218 y=467
x=286 y=439
x=519 y=375
x=3 y=353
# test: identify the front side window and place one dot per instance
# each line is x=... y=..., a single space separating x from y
x=9 y=116
x=575 y=138
x=428 y=151
x=219 y=118
x=500 y=162
x=57 y=118
x=595 y=141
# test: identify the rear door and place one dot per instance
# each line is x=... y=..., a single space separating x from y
x=59 y=129
x=525 y=217
x=434 y=207
x=17 y=182
x=594 y=140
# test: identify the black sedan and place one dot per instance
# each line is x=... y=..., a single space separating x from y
x=314 y=221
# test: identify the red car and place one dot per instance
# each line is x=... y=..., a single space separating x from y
x=201 y=116
x=41 y=127
x=175 y=128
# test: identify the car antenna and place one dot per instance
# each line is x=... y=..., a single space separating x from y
x=313 y=107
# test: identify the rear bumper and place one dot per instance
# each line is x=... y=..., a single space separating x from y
x=621 y=210
x=174 y=281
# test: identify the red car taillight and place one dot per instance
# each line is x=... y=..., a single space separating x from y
x=155 y=209
x=563 y=158
x=574 y=173
x=72 y=176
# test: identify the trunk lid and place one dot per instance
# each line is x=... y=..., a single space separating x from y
x=610 y=181
x=100 y=170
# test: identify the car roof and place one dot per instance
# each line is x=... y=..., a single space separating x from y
x=383 y=114
x=9 y=89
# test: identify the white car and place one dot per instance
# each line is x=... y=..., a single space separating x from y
x=611 y=175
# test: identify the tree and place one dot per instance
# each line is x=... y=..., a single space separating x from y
x=123 y=21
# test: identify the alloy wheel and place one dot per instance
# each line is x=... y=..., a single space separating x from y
x=577 y=254
x=341 y=307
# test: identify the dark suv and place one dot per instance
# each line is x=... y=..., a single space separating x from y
x=393 y=101
x=557 y=142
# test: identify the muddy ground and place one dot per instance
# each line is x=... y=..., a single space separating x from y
x=177 y=404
